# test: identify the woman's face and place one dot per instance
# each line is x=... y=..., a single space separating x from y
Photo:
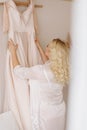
x=47 y=51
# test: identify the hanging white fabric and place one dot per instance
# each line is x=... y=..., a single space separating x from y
x=20 y=28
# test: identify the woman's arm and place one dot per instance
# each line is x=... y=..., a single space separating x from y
x=35 y=72
x=42 y=53
x=12 y=48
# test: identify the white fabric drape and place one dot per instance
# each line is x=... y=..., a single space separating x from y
x=20 y=28
x=77 y=105
x=8 y=122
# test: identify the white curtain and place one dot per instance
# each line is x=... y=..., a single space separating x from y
x=77 y=105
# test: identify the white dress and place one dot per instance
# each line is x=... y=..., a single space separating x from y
x=20 y=28
x=46 y=97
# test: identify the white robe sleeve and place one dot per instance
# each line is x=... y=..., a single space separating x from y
x=35 y=72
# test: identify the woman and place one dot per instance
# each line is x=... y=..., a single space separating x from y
x=46 y=84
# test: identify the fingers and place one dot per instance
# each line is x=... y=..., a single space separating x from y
x=35 y=40
x=16 y=46
x=11 y=42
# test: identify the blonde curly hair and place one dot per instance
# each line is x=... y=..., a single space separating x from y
x=59 y=56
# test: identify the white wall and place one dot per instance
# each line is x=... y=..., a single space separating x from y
x=53 y=19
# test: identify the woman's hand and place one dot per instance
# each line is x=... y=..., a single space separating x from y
x=42 y=53
x=37 y=42
x=12 y=47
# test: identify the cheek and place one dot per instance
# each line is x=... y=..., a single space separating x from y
x=46 y=52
